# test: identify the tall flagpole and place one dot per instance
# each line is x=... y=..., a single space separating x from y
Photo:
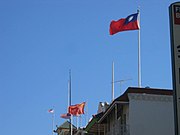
x=80 y=121
x=77 y=122
x=68 y=96
x=86 y=113
x=53 y=116
x=139 y=53
x=112 y=81
x=69 y=87
x=71 y=124
x=70 y=101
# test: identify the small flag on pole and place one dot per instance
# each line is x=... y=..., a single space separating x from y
x=124 y=24
x=66 y=116
x=77 y=109
x=51 y=110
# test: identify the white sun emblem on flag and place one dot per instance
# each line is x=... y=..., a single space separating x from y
x=130 y=18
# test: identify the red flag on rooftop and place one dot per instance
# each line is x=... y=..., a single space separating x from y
x=124 y=24
x=77 y=109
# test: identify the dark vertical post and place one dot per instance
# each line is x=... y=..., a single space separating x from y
x=174 y=15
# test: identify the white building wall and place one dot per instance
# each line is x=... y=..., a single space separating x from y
x=151 y=114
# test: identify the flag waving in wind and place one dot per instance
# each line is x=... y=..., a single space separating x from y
x=51 y=110
x=76 y=109
x=66 y=115
x=124 y=24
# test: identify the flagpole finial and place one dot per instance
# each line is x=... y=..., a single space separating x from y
x=138 y=9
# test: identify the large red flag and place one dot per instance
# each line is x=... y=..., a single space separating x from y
x=76 y=109
x=124 y=24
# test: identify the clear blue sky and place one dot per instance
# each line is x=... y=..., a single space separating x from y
x=40 y=40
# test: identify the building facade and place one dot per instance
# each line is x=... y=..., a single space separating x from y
x=139 y=111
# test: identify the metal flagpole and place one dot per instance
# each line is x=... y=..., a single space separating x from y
x=80 y=121
x=77 y=122
x=53 y=116
x=112 y=81
x=70 y=101
x=69 y=87
x=51 y=111
x=71 y=124
x=68 y=96
x=139 y=54
x=86 y=113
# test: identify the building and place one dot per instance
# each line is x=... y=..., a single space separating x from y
x=139 y=111
x=94 y=127
x=64 y=129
